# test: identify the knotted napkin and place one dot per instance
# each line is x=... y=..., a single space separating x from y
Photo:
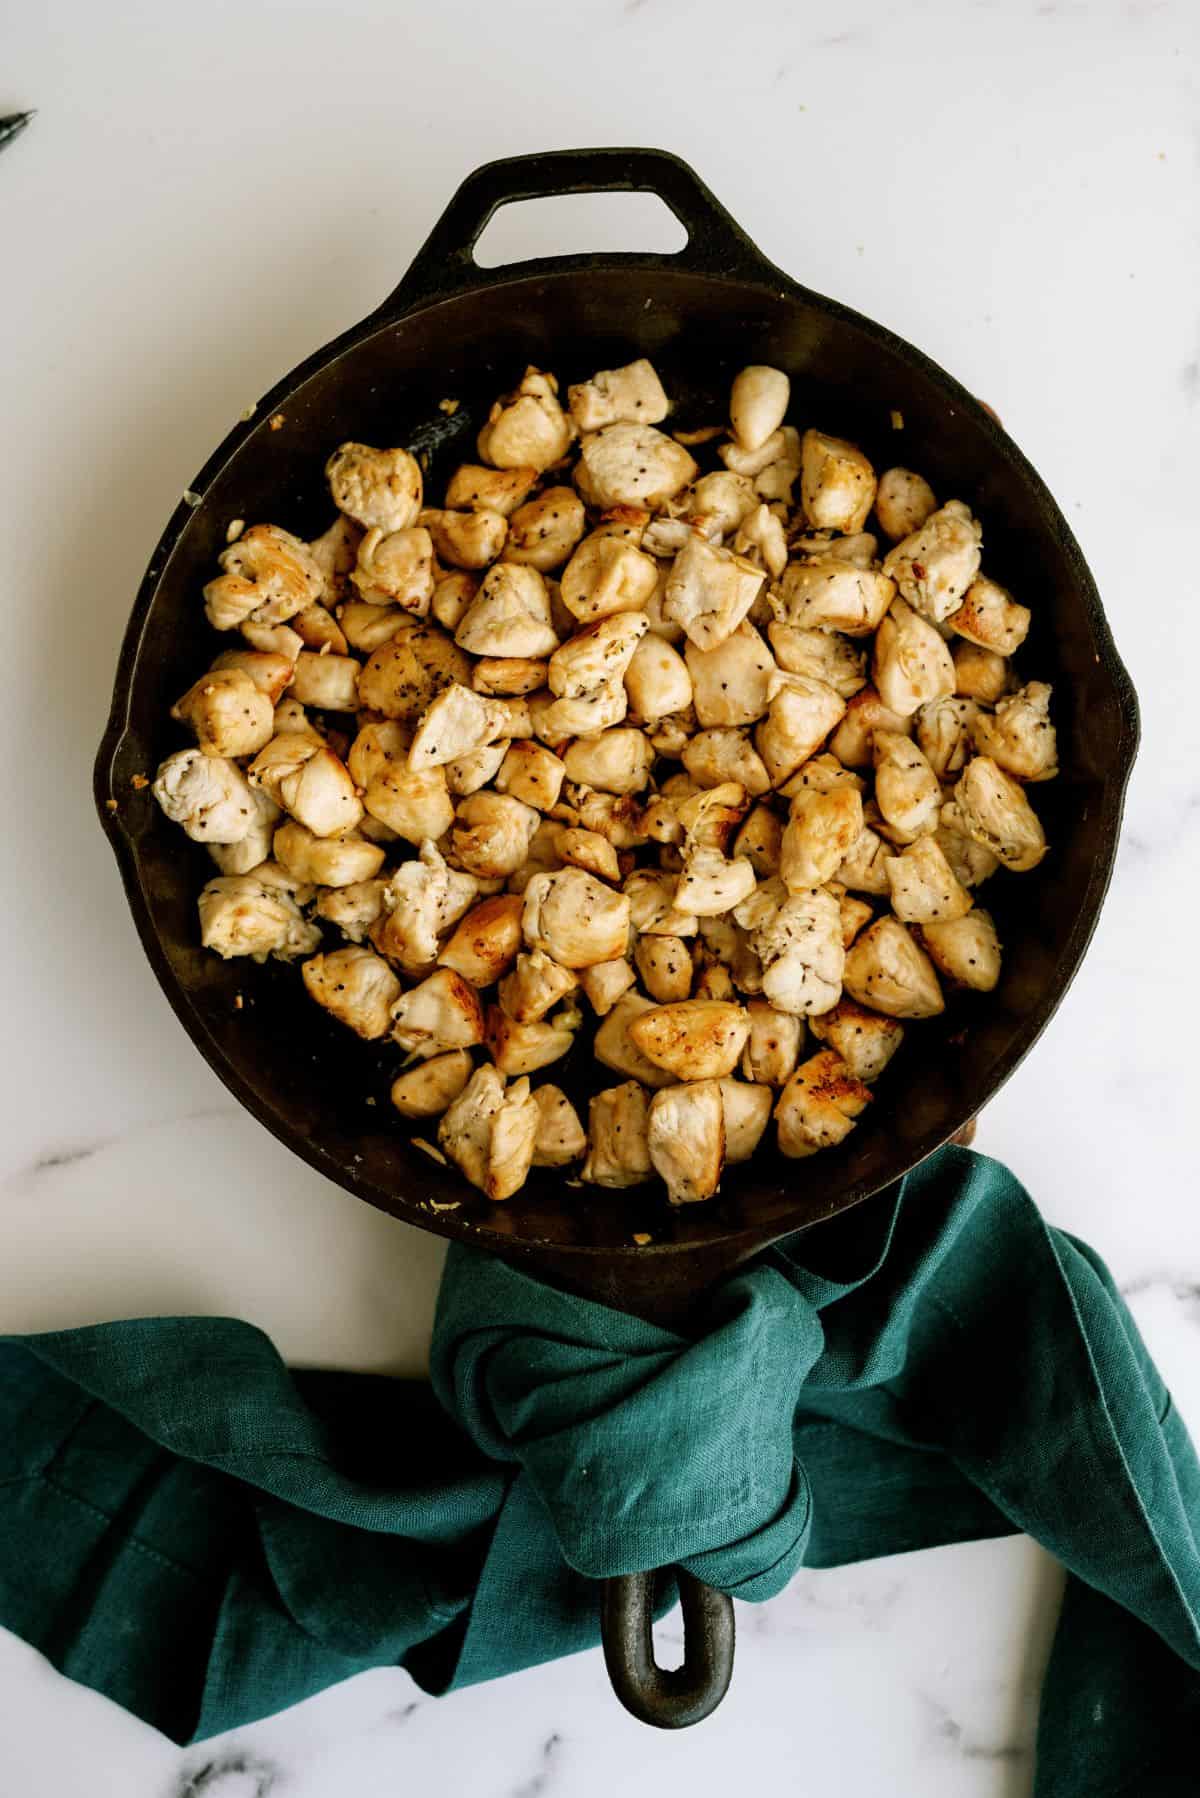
x=206 y=1536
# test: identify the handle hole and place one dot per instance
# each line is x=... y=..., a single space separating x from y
x=575 y=224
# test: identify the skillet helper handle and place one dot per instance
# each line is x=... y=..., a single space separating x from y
x=446 y=264
x=667 y=1698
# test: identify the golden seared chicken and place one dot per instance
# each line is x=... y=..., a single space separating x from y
x=395 y=568
x=598 y=655
x=822 y=829
x=270 y=672
x=853 y=742
x=442 y=1012
x=256 y=846
x=467 y=773
x=531 y=773
x=356 y=986
x=715 y=505
x=709 y=591
x=474 y=488
x=903 y=501
x=326 y=861
x=629 y=395
x=543 y=533
x=321 y=795
x=761 y=538
x=469 y=540
x=492 y=834
x=588 y=850
x=966 y=950
x=614 y=761
x=711 y=884
x=458 y=722
x=801 y=715
x=827 y=592
x=207 y=795
x=242 y=915
x=994 y=811
x=575 y=918
x=606 y=577
x=864 y=869
x=773 y=1046
x=758 y=404
x=528 y=428
x=731 y=684
x=699 y=1039
x=632 y=465
x=887 y=971
x=934 y=567
x=605 y=982
x=585 y=716
x=747 y=1111
x=664 y=966
x=906 y=788
x=534 y=986
x=426 y=1090
x=1018 y=735
x=561 y=1137
x=797 y=938
x=615 y=1048
x=523 y=1048
x=353 y=909
x=760 y=841
x=618 y=1150
x=415 y=804
x=486 y=942
x=979 y=673
x=818 y=1106
x=712 y=757
x=490 y=1132
x=685 y=1135
x=657 y=681
x=379 y=489
x=837 y=483
x=865 y=1040
x=227 y=712
x=970 y=863
x=912 y=665
x=924 y=887
x=509 y=615
x=267 y=576
x=990 y=617
x=822 y=655
x=944 y=733
x=405 y=674
x=654 y=909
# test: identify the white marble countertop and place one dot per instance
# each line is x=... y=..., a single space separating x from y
x=210 y=191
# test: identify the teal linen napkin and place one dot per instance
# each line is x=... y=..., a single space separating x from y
x=205 y=1536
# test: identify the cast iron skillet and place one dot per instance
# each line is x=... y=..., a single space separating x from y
x=453 y=330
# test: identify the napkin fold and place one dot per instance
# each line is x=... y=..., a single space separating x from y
x=206 y=1536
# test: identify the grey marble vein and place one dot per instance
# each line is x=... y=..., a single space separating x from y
x=533 y=1788
x=231 y=1775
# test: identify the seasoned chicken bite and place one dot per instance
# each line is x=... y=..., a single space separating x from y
x=685 y=1135
x=207 y=795
x=273 y=639
x=761 y=538
x=227 y=712
x=709 y=591
x=923 y=884
x=837 y=483
x=467 y=773
x=935 y=565
x=797 y=937
x=422 y=899
x=428 y=1089
x=606 y=576
x=819 y=1104
x=532 y=774
x=831 y=593
x=966 y=950
x=888 y=971
x=396 y=569
x=632 y=465
x=1018 y=735
x=773 y=1045
x=855 y=913
x=970 y=862
x=535 y=985
x=353 y=909
x=379 y=489
x=270 y=672
x=710 y=884
x=509 y=675
x=326 y=861
x=544 y=532
x=441 y=1013
x=994 y=810
x=240 y=914
x=509 y=616
x=587 y=849
x=822 y=655
x=523 y=1048
x=822 y=774
x=912 y=664
x=731 y=684
x=653 y=906
x=864 y=869
x=605 y=982
x=747 y=1111
x=758 y=404
x=801 y=715
x=561 y=1137
x=615 y=761
x=596 y=656
x=574 y=918
x=485 y=943
x=267 y=577
x=457 y=722
x=990 y=617
x=822 y=828
x=657 y=681
x=717 y=503
x=618 y=1150
x=695 y=1039
x=474 y=488
x=783 y=445
x=492 y=834
x=318 y=629
x=714 y=757
x=853 y=740
x=613 y=1047
x=255 y=847
x=365 y=627
x=615 y=816
x=328 y=682
x=407 y=672
x=490 y=1132
x=944 y=733
x=903 y=501
x=414 y=805
x=760 y=841
x=865 y=1040
x=906 y=788
x=357 y=986
x=528 y=428
x=979 y=673
x=710 y=817
x=320 y=793
x=665 y=965
x=557 y=720
x=629 y=395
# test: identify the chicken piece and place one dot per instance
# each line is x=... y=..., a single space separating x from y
x=469 y=540
x=615 y=816
x=379 y=489
x=326 y=861
x=467 y=773
x=966 y=950
x=365 y=627
x=831 y=593
x=270 y=672
x=906 y=787
x=783 y=445
x=484 y=946
x=227 y=713
x=616 y=761
x=613 y=1047
x=855 y=913
x=760 y=841
x=396 y=569
x=452 y=597
x=801 y=715
x=797 y=938
x=543 y=533
x=865 y=1041
x=747 y=1111
x=710 y=817
x=758 y=404
x=207 y=795
x=822 y=774
x=273 y=639
x=492 y=834
x=414 y=805
x=853 y=740
x=864 y=869
x=357 y=986
x=935 y=565
x=509 y=616
x=427 y=1090
x=714 y=981
x=528 y=428
x=535 y=985
x=653 y=910
x=837 y=483
x=716 y=505
x=903 y=501
x=714 y=757
x=990 y=617
x=255 y=847
x=335 y=552
x=629 y=395
x=532 y=774
x=353 y=909
x=422 y=899
x=710 y=884
x=329 y=682
x=320 y=793
x=378 y=747
x=605 y=982
x=618 y=1150
x=523 y=1048
x=685 y=1135
x=665 y=965
x=267 y=577
x=406 y=673
x=944 y=733
x=457 y=722
x=912 y=664
x=441 y=1013
x=672 y=734
x=979 y=673
x=818 y=1106
x=709 y=591
x=509 y=675
x=632 y=465
x=318 y=629
x=970 y=863
x=657 y=681
x=888 y=971
x=597 y=656
x=761 y=538
x=924 y=888
x=542 y=857
x=995 y=812
x=822 y=828
x=574 y=918
x=587 y=849
x=473 y=488
x=291 y=719
x=1018 y=735
x=240 y=914
x=605 y=576
x=773 y=1046
x=820 y=655
x=555 y=721
x=561 y=1137
x=696 y=1039
x=490 y=1133
x=729 y=943
x=731 y=684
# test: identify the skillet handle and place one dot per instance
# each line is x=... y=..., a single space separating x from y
x=446 y=265
x=667 y=1698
